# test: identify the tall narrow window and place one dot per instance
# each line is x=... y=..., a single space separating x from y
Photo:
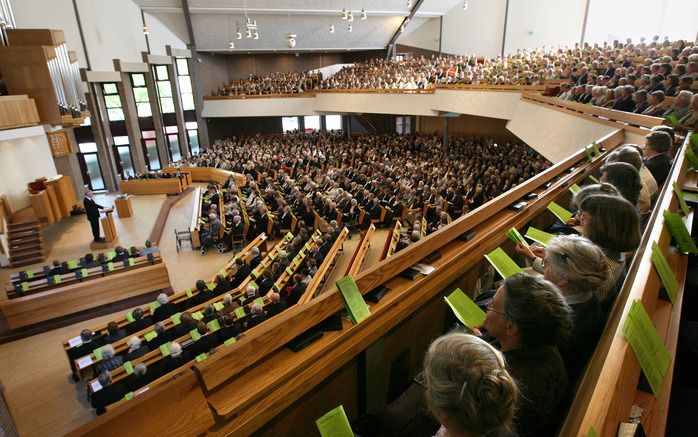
x=115 y=111
x=185 y=86
x=164 y=89
x=140 y=94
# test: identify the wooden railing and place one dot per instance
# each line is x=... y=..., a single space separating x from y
x=610 y=385
x=244 y=399
x=636 y=123
x=324 y=269
x=357 y=261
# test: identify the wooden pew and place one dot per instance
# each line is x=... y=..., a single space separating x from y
x=207 y=174
x=391 y=241
x=38 y=285
x=179 y=298
x=74 y=298
x=195 y=225
x=152 y=186
x=175 y=407
x=610 y=385
x=295 y=263
x=40 y=273
x=325 y=268
x=359 y=257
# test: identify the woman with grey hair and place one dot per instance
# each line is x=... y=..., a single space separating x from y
x=579 y=268
x=468 y=388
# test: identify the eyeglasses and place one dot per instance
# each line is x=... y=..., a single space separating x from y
x=489 y=308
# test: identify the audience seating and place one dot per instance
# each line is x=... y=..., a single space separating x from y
x=153 y=186
x=391 y=241
x=81 y=296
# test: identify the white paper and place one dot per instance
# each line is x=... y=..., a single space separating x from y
x=141 y=391
x=424 y=269
x=75 y=341
x=96 y=386
x=84 y=362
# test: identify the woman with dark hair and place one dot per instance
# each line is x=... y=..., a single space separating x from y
x=625 y=178
x=529 y=318
x=610 y=222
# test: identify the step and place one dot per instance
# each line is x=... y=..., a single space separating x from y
x=25 y=233
x=25 y=262
x=25 y=236
x=25 y=225
x=20 y=254
x=26 y=242
x=37 y=247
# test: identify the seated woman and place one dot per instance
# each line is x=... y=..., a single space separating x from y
x=625 y=178
x=529 y=318
x=468 y=388
x=578 y=267
x=610 y=222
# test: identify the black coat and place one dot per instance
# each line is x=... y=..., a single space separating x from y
x=91 y=208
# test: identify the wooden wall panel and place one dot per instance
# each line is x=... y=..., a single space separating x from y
x=468 y=125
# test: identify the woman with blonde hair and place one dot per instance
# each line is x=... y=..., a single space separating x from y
x=468 y=388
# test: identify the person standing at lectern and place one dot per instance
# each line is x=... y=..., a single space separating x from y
x=92 y=209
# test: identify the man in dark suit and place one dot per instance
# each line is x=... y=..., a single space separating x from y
x=92 y=209
x=657 y=145
x=139 y=321
x=109 y=393
x=222 y=285
x=207 y=341
x=243 y=272
x=276 y=306
x=166 y=308
x=89 y=342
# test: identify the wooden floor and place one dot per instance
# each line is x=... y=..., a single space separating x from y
x=44 y=401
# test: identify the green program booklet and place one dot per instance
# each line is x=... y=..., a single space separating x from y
x=515 y=236
x=678 y=230
x=502 y=263
x=671 y=284
x=560 y=212
x=465 y=309
x=353 y=300
x=539 y=236
x=334 y=424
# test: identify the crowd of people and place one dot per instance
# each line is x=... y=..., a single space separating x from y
x=596 y=73
x=638 y=78
x=386 y=177
x=275 y=83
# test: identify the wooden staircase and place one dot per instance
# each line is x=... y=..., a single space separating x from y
x=25 y=240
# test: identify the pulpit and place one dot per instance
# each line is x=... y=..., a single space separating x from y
x=108 y=225
x=123 y=207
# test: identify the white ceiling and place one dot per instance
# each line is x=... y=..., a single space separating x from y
x=215 y=22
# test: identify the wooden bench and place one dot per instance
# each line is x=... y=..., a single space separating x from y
x=152 y=186
x=78 y=297
x=361 y=251
x=207 y=174
x=122 y=322
x=610 y=385
x=325 y=269
x=38 y=285
x=391 y=241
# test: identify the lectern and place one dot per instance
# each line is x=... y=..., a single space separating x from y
x=108 y=225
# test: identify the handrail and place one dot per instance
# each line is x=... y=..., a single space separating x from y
x=627 y=118
x=357 y=261
x=608 y=387
x=329 y=261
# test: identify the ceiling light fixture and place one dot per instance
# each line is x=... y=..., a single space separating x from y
x=402 y=28
x=238 y=34
x=248 y=33
x=409 y=3
x=345 y=15
x=255 y=35
x=465 y=5
x=145 y=30
x=363 y=14
x=231 y=45
x=331 y=28
x=350 y=16
x=350 y=29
